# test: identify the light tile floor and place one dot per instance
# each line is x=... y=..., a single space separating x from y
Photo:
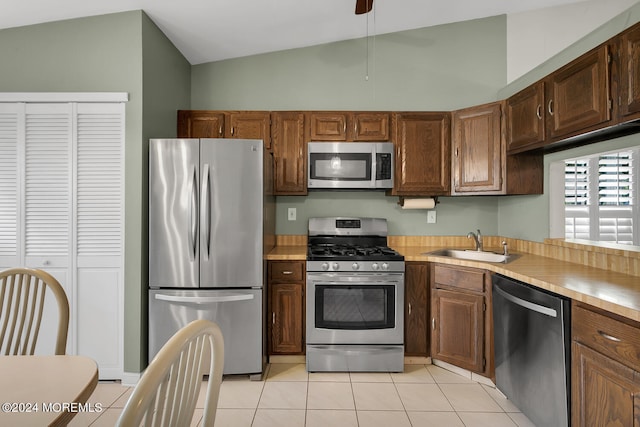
x=423 y=395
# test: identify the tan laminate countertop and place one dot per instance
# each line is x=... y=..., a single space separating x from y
x=611 y=291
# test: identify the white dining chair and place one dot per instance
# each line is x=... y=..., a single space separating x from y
x=167 y=392
x=22 y=301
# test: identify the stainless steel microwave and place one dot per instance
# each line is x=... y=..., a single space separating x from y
x=350 y=165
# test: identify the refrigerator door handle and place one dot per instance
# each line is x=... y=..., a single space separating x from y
x=204 y=300
x=193 y=215
x=206 y=210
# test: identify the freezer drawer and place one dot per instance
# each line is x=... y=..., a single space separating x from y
x=237 y=312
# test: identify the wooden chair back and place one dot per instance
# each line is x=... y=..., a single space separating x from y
x=22 y=299
x=167 y=392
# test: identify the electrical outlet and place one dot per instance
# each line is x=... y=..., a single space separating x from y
x=291 y=214
x=431 y=217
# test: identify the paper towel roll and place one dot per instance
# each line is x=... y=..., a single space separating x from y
x=428 y=203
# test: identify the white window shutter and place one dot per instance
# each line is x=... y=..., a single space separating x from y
x=100 y=129
x=9 y=183
x=47 y=180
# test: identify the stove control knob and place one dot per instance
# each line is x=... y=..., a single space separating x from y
x=385 y=266
x=335 y=266
x=325 y=266
x=355 y=266
x=375 y=266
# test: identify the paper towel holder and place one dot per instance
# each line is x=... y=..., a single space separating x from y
x=401 y=200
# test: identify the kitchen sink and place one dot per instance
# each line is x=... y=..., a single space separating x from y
x=473 y=255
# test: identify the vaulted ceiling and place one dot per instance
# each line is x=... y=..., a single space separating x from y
x=212 y=30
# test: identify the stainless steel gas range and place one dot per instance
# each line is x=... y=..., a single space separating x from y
x=355 y=297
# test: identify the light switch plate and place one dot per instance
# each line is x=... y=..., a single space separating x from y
x=431 y=217
x=291 y=214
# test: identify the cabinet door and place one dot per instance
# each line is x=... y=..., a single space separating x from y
x=249 y=125
x=457 y=329
x=578 y=94
x=370 y=127
x=200 y=124
x=287 y=302
x=328 y=126
x=289 y=152
x=423 y=154
x=416 y=316
x=630 y=74
x=604 y=392
x=525 y=119
x=478 y=155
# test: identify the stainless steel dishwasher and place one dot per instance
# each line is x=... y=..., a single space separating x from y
x=532 y=350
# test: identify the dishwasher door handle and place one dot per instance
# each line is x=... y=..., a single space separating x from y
x=528 y=305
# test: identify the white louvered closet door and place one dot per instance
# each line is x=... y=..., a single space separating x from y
x=99 y=239
x=11 y=127
x=62 y=210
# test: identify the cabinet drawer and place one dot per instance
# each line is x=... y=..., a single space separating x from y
x=286 y=271
x=611 y=337
x=458 y=277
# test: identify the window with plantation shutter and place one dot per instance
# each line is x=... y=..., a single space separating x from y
x=600 y=201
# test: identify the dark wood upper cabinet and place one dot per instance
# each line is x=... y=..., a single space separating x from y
x=249 y=125
x=629 y=72
x=200 y=124
x=225 y=124
x=423 y=154
x=578 y=95
x=289 y=152
x=526 y=119
x=478 y=154
x=349 y=126
x=370 y=126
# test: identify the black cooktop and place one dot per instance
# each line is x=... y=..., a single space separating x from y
x=345 y=251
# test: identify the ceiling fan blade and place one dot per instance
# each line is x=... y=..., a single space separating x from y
x=363 y=6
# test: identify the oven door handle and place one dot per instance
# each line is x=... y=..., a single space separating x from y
x=351 y=351
x=349 y=283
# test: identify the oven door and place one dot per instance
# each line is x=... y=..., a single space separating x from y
x=355 y=308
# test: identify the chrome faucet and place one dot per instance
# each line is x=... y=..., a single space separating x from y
x=477 y=239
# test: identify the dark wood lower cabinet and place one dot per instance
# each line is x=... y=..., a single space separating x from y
x=416 y=313
x=286 y=302
x=605 y=373
x=461 y=324
x=458 y=329
x=605 y=392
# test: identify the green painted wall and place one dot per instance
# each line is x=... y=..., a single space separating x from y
x=527 y=217
x=166 y=80
x=105 y=54
x=439 y=68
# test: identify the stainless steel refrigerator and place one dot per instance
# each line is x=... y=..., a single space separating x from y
x=211 y=221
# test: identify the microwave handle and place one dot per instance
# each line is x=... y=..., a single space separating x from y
x=374 y=166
